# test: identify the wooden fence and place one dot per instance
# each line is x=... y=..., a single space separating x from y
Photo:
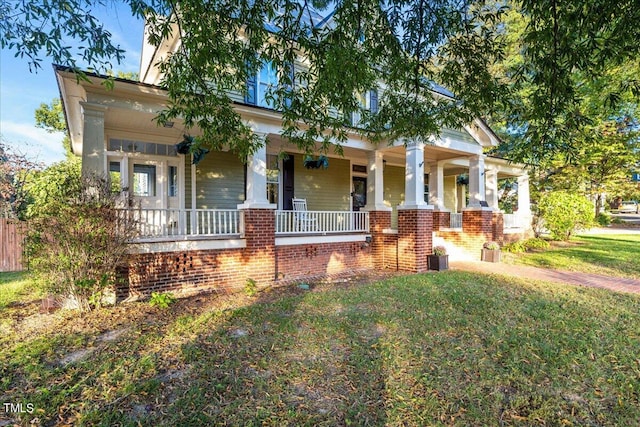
x=11 y=245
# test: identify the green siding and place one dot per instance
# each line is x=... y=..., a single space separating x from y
x=393 y=190
x=325 y=189
x=219 y=181
x=450 y=195
x=457 y=134
x=187 y=181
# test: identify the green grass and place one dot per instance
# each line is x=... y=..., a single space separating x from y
x=451 y=348
x=613 y=255
x=14 y=287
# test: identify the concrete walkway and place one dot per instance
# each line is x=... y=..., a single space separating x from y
x=616 y=284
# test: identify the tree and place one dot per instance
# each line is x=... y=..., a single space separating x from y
x=564 y=213
x=15 y=170
x=405 y=46
x=607 y=157
x=50 y=117
x=78 y=238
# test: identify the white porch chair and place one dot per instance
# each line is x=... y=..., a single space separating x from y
x=304 y=221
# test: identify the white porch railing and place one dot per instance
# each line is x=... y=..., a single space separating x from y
x=455 y=220
x=185 y=222
x=321 y=222
x=511 y=221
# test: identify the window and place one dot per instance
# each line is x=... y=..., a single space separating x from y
x=115 y=176
x=173 y=181
x=367 y=101
x=273 y=178
x=144 y=180
x=426 y=188
x=260 y=87
x=152 y=148
x=267 y=81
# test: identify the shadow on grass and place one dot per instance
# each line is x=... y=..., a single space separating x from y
x=437 y=349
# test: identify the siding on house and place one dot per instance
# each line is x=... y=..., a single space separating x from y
x=187 y=181
x=457 y=134
x=219 y=181
x=325 y=189
x=393 y=190
x=450 y=193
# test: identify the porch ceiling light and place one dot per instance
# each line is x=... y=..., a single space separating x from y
x=168 y=125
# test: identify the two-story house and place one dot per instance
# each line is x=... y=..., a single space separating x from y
x=222 y=221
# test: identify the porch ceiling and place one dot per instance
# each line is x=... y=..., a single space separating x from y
x=141 y=123
x=392 y=155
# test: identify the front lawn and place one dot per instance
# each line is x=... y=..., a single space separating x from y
x=451 y=348
x=612 y=255
x=14 y=288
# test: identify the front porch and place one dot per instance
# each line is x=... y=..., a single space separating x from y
x=366 y=211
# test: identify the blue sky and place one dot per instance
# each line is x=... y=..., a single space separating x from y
x=22 y=92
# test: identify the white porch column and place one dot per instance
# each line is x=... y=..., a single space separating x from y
x=257 y=180
x=93 y=143
x=462 y=196
x=414 y=177
x=524 y=200
x=436 y=186
x=375 y=182
x=476 y=181
x=491 y=181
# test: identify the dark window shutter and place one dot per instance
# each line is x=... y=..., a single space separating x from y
x=250 y=96
x=373 y=101
x=290 y=70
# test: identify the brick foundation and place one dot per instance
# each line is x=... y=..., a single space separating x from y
x=185 y=271
x=478 y=227
x=260 y=234
x=415 y=231
x=227 y=270
x=378 y=222
x=441 y=220
x=310 y=260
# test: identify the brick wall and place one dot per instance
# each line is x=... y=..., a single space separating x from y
x=185 y=271
x=378 y=222
x=478 y=227
x=307 y=260
x=415 y=228
x=441 y=220
x=260 y=234
x=390 y=252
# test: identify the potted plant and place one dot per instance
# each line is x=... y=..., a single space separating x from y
x=491 y=252
x=439 y=260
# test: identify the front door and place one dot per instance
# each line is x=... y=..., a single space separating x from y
x=147 y=183
x=359 y=195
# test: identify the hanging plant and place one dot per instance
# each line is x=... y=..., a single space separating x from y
x=187 y=145
x=463 y=180
x=321 y=162
x=183 y=146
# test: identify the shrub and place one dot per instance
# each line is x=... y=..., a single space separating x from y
x=161 y=300
x=80 y=240
x=536 y=243
x=564 y=213
x=515 y=247
x=603 y=219
x=250 y=287
x=525 y=245
x=492 y=246
x=439 y=251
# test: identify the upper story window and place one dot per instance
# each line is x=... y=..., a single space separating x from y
x=368 y=102
x=260 y=87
